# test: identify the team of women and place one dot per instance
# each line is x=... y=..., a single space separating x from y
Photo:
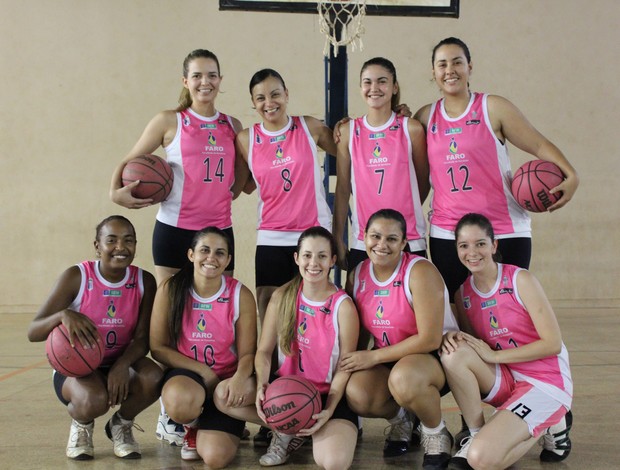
x=200 y=324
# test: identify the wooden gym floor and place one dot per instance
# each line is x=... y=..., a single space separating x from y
x=36 y=425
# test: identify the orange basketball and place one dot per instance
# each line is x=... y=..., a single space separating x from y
x=531 y=184
x=71 y=361
x=290 y=403
x=155 y=175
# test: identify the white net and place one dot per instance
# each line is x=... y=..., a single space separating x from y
x=342 y=23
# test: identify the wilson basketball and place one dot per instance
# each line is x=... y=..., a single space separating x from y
x=155 y=177
x=290 y=403
x=531 y=184
x=71 y=361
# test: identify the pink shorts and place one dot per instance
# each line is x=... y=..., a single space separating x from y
x=537 y=408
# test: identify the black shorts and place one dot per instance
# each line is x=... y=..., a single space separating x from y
x=342 y=410
x=211 y=418
x=170 y=245
x=517 y=251
x=274 y=265
x=59 y=380
x=356 y=256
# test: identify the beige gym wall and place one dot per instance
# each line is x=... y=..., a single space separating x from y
x=81 y=78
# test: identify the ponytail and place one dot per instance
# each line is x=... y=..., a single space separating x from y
x=287 y=315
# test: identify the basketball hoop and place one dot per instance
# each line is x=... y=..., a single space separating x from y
x=342 y=22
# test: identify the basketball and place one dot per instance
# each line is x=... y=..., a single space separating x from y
x=71 y=361
x=155 y=177
x=531 y=184
x=290 y=403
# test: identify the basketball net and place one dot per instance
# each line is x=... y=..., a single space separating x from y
x=342 y=23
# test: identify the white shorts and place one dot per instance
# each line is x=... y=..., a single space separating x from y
x=537 y=408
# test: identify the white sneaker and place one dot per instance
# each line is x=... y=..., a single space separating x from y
x=281 y=447
x=459 y=461
x=437 y=449
x=556 y=441
x=188 y=451
x=169 y=431
x=80 y=445
x=119 y=432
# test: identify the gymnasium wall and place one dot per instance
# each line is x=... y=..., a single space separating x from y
x=81 y=78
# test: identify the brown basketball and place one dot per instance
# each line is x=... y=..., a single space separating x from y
x=290 y=403
x=71 y=361
x=531 y=184
x=155 y=177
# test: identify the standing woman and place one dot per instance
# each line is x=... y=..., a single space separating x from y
x=281 y=153
x=312 y=324
x=466 y=134
x=382 y=160
x=200 y=147
x=199 y=144
x=510 y=352
x=204 y=332
x=402 y=303
x=85 y=299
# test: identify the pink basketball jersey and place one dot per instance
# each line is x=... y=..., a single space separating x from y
x=383 y=176
x=500 y=319
x=316 y=349
x=470 y=170
x=113 y=307
x=202 y=157
x=386 y=308
x=288 y=179
x=208 y=329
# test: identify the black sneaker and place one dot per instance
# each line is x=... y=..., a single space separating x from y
x=556 y=442
x=461 y=435
x=398 y=439
x=437 y=449
x=459 y=461
x=263 y=437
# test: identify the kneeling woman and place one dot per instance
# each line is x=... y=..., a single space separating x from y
x=403 y=304
x=204 y=330
x=84 y=300
x=313 y=323
x=510 y=351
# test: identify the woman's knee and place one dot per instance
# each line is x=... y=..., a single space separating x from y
x=89 y=403
x=217 y=459
x=148 y=380
x=334 y=461
x=217 y=456
x=181 y=404
x=405 y=383
x=481 y=456
x=458 y=358
x=219 y=397
x=358 y=396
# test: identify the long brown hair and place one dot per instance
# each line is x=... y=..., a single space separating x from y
x=287 y=309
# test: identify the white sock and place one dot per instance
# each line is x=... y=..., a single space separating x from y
x=192 y=423
x=161 y=406
x=436 y=430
